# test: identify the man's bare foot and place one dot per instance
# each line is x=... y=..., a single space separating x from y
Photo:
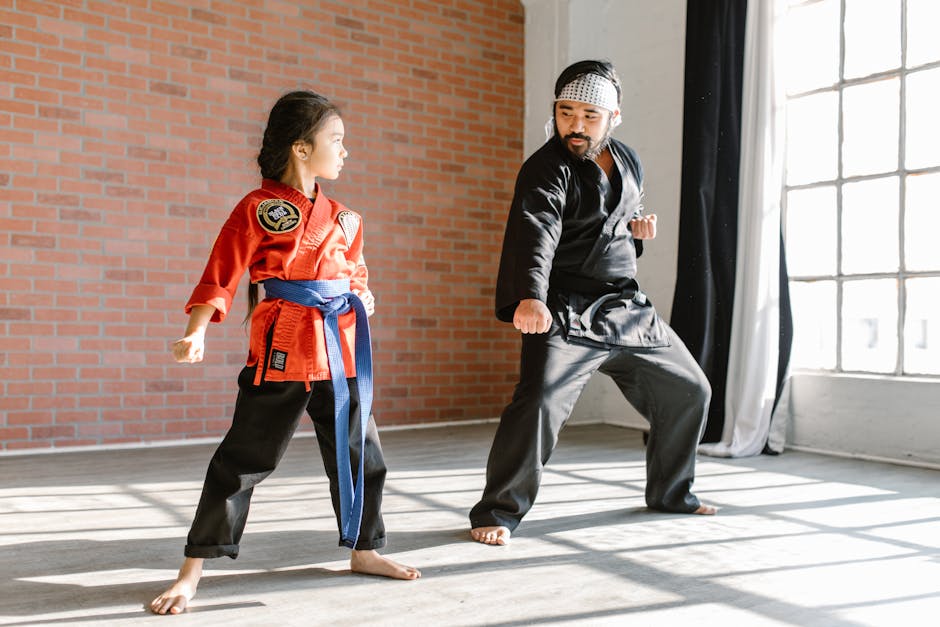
x=371 y=563
x=706 y=510
x=491 y=535
x=175 y=599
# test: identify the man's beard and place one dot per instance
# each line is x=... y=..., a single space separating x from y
x=591 y=149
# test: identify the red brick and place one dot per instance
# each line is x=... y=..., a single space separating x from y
x=52 y=432
x=18 y=445
x=142 y=428
x=54 y=402
x=97 y=431
x=7 y=313
x=76 y=359
x=15 y=418
x=9 y=434
x=19 y=402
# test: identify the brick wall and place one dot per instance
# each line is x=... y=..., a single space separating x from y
x=129 y=130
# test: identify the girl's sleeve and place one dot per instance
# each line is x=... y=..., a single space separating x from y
x=230 y=257
x=359 y=279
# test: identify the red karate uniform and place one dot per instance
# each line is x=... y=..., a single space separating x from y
x=275 y=231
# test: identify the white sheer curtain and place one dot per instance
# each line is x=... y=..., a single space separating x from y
x=755 y=333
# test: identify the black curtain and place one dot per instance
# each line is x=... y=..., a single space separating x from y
x=786 y=337
x=711 y=149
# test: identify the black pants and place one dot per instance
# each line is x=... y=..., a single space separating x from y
x=666 y=385
x=265 y=419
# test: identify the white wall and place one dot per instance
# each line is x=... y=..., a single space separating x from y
x=865 y=416
x=646 y=43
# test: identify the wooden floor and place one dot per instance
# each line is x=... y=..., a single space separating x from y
x=88 y=538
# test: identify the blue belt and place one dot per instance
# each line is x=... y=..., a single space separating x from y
x=333 y=298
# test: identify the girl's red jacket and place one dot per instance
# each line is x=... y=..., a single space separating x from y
x=275 y=231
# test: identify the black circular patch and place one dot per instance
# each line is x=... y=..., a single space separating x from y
x=277 y=215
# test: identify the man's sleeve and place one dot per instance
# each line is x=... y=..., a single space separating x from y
x=636 y=169
x=533 y=229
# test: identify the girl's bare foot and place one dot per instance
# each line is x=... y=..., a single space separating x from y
x=371 y=563
x=706 y=510
x=491 y=535
x=175 y=599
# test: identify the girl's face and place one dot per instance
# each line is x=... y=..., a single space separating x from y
x=328 y=154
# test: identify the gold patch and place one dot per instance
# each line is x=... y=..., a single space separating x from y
x=276 y=215
x=349 y=222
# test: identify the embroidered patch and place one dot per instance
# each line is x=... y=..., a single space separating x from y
x=349 y=222
x=278 y=360
x=276 y=215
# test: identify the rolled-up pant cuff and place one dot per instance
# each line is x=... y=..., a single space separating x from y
x=493 y=521
x=211 y=551
x=688 y=507
x=363 y=544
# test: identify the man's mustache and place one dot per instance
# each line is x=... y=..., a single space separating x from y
x=586 y=138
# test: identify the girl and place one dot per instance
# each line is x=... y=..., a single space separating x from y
x=309 y=348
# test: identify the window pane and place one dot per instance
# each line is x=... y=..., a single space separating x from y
x=870 y=123
x=922 y=223
x=923 y=123
x=814 y=324
x=872 y=36
x=811 y=231
x=923 y=45
x=812 y=138
x=870 y=226
x=922 y=327
x=812 y=46
x=870 y=325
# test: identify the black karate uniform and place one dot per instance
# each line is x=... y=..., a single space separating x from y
x=568 y=244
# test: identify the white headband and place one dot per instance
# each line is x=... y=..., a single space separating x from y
x=590 y=89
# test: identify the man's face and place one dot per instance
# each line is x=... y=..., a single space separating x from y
x=583 y=128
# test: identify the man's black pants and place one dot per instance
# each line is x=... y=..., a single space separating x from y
x=265 y=419
x=665 y=385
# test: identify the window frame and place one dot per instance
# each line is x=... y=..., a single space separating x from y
x=840 y=278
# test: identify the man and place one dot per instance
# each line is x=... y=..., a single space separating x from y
x=567 y=282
